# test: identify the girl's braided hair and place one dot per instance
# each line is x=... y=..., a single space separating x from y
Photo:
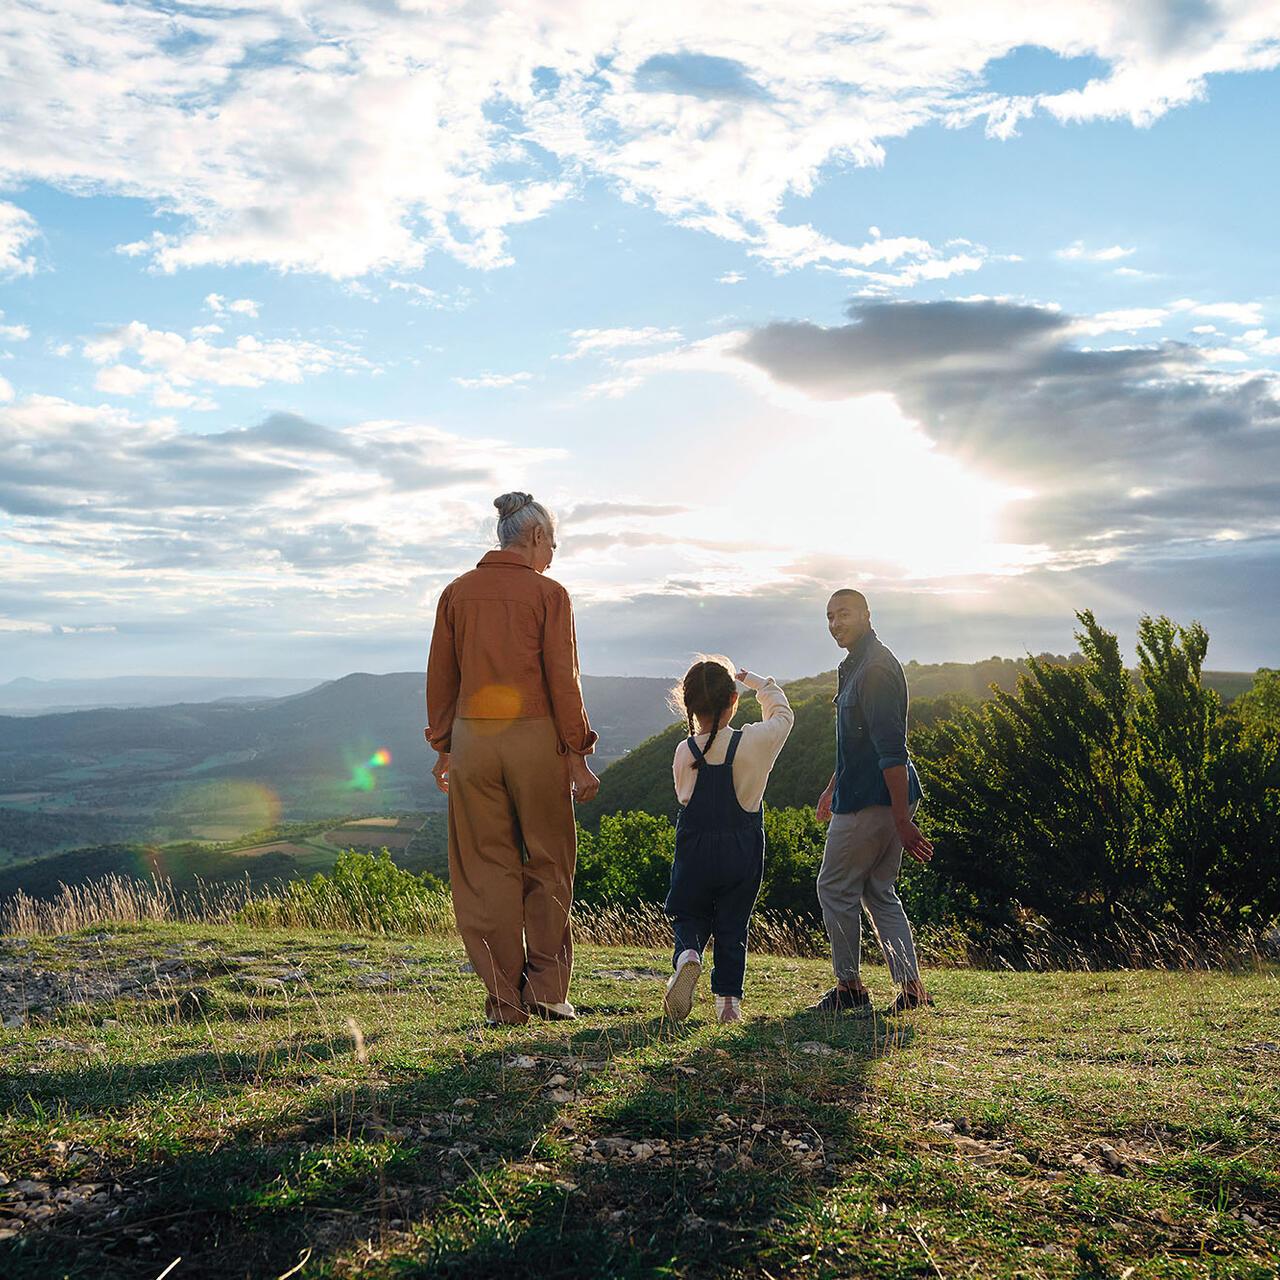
x=707 y=690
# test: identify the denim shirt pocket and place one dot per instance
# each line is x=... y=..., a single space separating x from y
x=853 y=724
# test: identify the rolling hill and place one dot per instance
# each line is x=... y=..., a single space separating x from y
x=643 y=779
x=214 y=770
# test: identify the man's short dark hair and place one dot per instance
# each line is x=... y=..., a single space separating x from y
x=856 y=596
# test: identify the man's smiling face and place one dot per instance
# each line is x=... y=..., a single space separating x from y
x=847 y=620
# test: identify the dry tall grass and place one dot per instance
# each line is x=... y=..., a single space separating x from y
x=116 y=900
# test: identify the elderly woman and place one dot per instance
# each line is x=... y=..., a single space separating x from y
x=505 y=714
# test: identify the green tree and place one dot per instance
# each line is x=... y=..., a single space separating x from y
x=627 y=861
x=1087 y=797
x=1028 y=796
x=1259 y=708
x=1207 y=828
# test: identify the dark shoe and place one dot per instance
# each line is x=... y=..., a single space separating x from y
x=906 y=1001
x=841 y=1000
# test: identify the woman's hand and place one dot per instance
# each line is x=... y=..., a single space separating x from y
x=585 y=783
x=440 y=771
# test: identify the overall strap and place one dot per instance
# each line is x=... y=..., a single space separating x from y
x=697 y=751
x=735 y=736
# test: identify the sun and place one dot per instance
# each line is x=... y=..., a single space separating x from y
x=859 y=481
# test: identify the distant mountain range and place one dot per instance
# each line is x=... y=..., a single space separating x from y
x=217 y=769
x=25 y=696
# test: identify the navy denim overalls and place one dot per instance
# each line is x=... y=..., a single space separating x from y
x=717 y=871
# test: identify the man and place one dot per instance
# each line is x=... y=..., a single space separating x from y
x=869 y=803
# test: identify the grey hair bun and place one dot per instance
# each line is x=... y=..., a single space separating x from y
x=517 y=514
x=509 y=503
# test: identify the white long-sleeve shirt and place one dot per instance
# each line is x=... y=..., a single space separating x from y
x=759 y=748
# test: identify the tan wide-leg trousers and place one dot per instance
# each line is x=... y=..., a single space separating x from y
x=512 y=849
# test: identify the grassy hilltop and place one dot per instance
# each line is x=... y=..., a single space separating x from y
x=255 y=1102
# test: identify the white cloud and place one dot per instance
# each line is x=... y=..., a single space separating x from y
x=489 y=381
x=17 y=230
x=1125 y=320
x=221 y=306
x=14 y=332
x=6 y=390
x=317 y=139
x=1131 y=318
x=108 y=515
x=1242 y=313
x=24 y=625
x=1078 y=252
x=1258 y=342
x=122 y=380
x=731 y=277
x=172 y=364
x=418 y=295
x=595 y=341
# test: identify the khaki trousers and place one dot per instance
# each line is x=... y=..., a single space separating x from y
x=512 y=850
x=860 y=863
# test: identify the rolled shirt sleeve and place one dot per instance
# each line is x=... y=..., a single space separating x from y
x=884 y=704
x=444 y=678
x=560 y=662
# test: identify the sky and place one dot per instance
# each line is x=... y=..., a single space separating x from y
x=973 y=307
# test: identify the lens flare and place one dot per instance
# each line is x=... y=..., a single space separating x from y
x=223 y=809
x=362 y=775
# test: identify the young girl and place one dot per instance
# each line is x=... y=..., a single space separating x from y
x=720 y=775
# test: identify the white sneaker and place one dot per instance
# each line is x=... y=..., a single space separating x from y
x=728 y=1009
x=678 y=1000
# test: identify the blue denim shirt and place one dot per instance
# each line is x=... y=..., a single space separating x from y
x=871 y=727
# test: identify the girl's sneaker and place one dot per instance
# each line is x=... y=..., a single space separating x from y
x=678 y=1001
x=728 y=1009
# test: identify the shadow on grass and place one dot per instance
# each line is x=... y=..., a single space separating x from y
x=96 y=1088
x=474 y=1166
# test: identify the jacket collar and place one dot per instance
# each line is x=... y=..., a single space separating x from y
x=860 y=648
x=504 y=560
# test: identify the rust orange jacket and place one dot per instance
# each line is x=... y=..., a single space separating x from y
x=504 y=648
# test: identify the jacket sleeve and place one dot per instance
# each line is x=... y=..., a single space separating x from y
x=884 y=705
x=560 y=662
x=444 y=678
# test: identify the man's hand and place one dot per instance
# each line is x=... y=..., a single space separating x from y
x=440 y=771
x=824 y=805
x=913 y=840
x=585 y=783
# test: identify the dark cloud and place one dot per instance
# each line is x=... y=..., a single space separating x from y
x=1012 y=390
x=174 y=500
